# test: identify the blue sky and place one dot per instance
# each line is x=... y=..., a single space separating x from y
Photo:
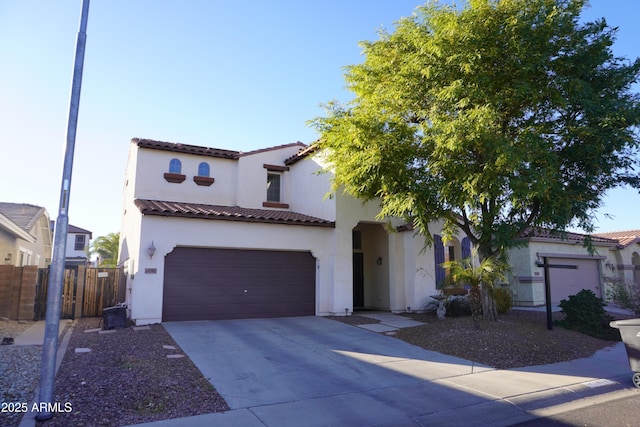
x=218 y=73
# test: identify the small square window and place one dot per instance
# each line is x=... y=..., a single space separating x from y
x=80 y=242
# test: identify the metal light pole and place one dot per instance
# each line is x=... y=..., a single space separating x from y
x=56 y=276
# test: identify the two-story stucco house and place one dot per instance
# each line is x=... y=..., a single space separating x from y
x=218 y=234
x=77 y=244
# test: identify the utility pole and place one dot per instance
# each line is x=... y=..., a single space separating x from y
x=56 y=276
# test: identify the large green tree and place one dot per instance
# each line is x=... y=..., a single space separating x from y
x=106 y=247
x=497 y=116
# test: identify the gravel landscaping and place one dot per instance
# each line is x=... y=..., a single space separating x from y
x=19 y=371
x=519 y=338
x=126 y=377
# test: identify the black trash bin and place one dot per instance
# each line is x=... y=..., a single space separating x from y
x=114 y=317
x=630 y=333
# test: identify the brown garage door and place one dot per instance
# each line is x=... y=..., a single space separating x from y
x=213 y=284
x=565 y=282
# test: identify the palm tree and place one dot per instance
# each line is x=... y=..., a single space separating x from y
x=107 y=249
x=481 y=278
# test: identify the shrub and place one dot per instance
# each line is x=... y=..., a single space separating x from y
x=504 y=299
x=584 y=312
x=626 y=296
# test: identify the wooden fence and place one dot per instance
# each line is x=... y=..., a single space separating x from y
x=17 y=291
x=103 y=287
x=69 y=288
x=86 y=291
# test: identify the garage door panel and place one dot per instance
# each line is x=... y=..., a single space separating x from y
x=211 y=283
x=566 y=282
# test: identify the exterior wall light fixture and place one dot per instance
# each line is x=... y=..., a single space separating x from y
x=151 y=251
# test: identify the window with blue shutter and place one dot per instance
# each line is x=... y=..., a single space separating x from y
x=466 y=248
x=439 y=259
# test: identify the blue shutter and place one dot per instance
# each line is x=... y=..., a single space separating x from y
x=439 y=259
x=466 y=248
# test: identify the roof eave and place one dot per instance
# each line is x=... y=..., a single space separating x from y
x=11 y=227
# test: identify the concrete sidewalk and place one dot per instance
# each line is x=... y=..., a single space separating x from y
x=312 y=372
x=34 y=335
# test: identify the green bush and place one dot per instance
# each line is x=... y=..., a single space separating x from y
x=584 y=312
x=504 y=300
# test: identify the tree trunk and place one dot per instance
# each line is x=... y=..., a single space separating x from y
x=475 y=300
x=489 y=309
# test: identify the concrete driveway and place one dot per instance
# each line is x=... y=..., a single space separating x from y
x=311 y=371
x=315 y=371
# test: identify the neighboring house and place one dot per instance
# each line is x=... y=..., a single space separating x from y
x=77 y=245
x=216 y=234
x=624 y=262
x=25 y=235
x=585 y=269
x=615 y=259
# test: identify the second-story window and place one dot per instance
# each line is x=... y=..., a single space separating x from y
x=175 y=172
x=175 y=166
x=203 y=169
x=273 y=187
x=80 y=242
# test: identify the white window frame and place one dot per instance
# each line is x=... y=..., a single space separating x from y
x=24 y=257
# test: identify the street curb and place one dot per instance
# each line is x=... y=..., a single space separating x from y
x=584 y=402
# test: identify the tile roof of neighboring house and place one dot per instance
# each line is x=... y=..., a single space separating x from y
x=78 y=230
x=206 y=151
x=625 y=238
x=230 y=213
x=23 y=215
x=545 y=233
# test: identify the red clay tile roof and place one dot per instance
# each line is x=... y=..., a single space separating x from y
x=545 y=233
x=207 y=151
x=230 y=213
x=277 y=147
x=301 y=154
x=625 y=238
x=188 y=149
